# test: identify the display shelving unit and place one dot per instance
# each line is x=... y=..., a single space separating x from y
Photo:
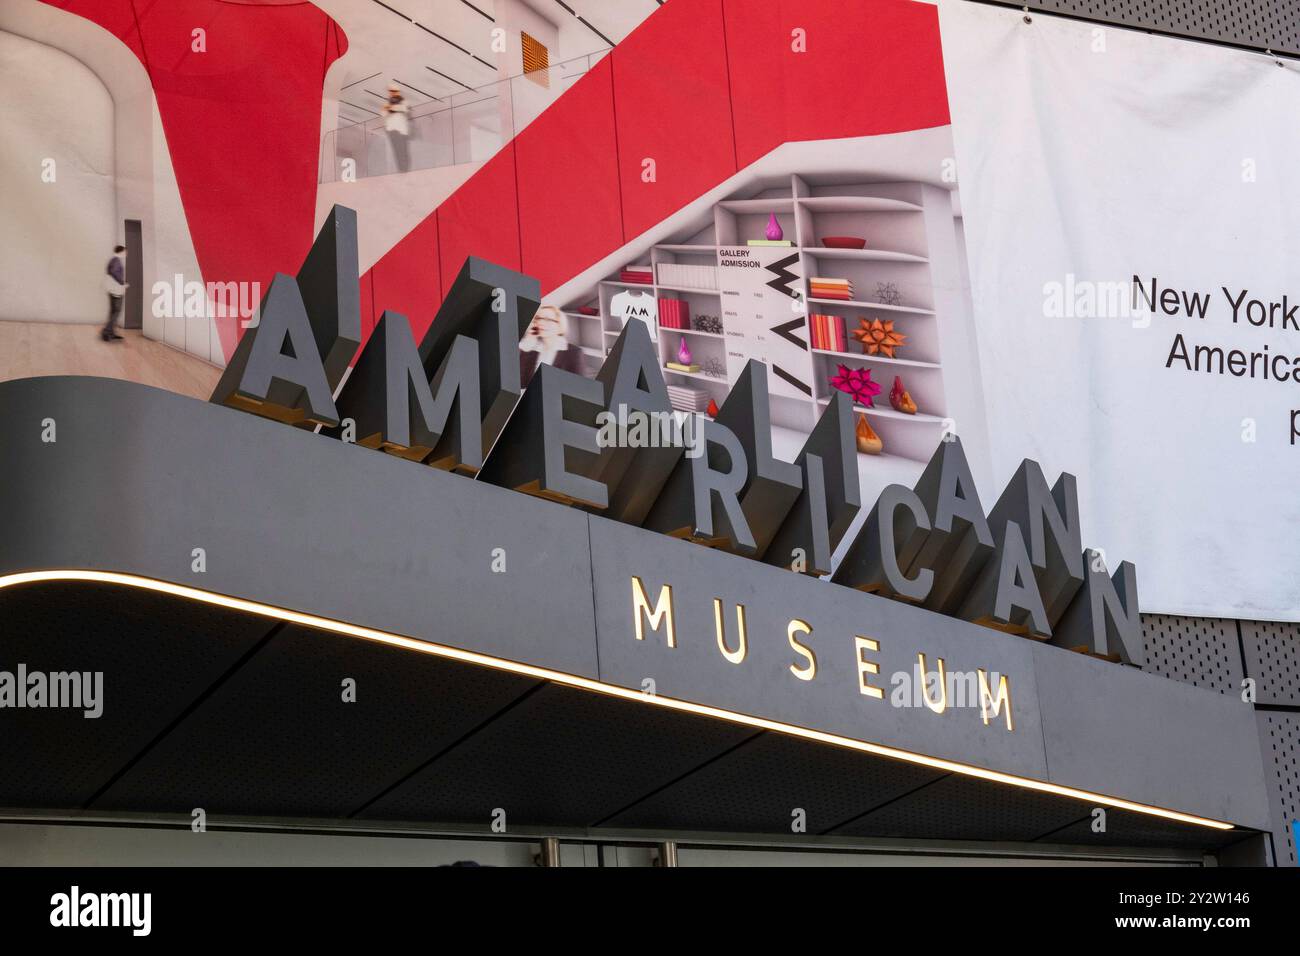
x=910 y=244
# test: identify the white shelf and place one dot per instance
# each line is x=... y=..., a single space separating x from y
x=687 y=249
x=875 y=471
x=696 y=375
x=891 y=463
x=888 y=412
x=883 y=359
x=707 y=335
x=751 y=207
x=863 y=255
x=649 y=286
x=679 y=288
x=856 y=304
x=856 y=204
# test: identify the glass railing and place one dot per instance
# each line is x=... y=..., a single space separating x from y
x=466 y=127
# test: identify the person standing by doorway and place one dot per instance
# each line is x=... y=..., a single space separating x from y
x=398 y=126
x=115 y=286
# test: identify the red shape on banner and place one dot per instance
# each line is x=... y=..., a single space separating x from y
x=408 y=279
x=673 y=107
x=368 y=314
x=575 y=144
x=481 y=218
x=867 y=68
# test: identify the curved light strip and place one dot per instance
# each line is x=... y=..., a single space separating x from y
x=586 y=683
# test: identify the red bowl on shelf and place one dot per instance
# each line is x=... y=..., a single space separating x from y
x=844 y=242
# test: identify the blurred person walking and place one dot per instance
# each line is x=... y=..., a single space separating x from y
x=398 y=126
x=115 y=286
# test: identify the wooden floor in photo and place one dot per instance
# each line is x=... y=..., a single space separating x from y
x=29 y=349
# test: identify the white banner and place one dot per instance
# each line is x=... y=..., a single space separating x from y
x=1101 y=169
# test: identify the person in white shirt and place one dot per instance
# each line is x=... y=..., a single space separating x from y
x=398 y=126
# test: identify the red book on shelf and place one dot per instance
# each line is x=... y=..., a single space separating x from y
x=674 y=314
x=828 y=332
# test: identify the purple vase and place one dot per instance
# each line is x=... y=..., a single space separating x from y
x=773 y=230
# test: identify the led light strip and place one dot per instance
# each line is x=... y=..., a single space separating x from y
x=586 y=683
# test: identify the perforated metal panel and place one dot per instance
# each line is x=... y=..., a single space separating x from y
x=156 y=654
x=1279 y=738
x=1260 y=24
x=964 y=808
x=278 y=738
x=830 y=785
x=1273 y=660
x=1139 y=830
x=1201 y=651
x=529 y=761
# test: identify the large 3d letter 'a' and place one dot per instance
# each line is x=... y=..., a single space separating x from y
x=288 y=365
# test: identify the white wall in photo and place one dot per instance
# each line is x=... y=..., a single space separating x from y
x=58 y=204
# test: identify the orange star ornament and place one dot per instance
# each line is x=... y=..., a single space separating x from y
x=878 y=337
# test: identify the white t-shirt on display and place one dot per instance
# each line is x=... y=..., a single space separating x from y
x=637 y=305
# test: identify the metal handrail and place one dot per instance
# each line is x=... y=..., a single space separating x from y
x=465 y=127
